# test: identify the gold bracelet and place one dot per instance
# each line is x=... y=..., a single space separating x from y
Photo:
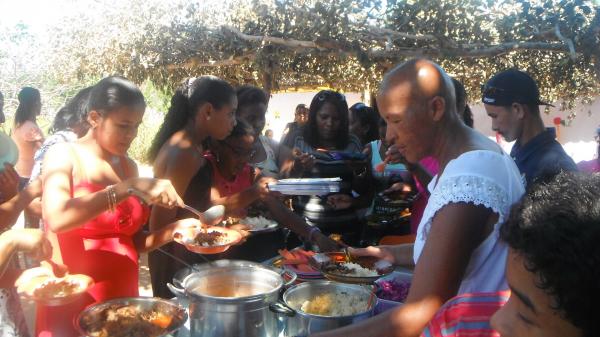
x=112 y=199
x=114 y=196
x=110 y=206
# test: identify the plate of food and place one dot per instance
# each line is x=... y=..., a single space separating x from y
x=259 y=224
x=252 y=224
x=210 y=240
x=134 y=316
x=297 y=260
x=52 y=291
x=338 y=267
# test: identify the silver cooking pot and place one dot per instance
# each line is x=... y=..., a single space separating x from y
x=299 y=323
x=229 y=298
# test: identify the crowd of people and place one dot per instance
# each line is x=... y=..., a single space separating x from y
x=411 y=166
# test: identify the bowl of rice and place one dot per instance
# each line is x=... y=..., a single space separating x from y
x=325 y=305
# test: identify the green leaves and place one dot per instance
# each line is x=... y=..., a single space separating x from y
x=343 y=43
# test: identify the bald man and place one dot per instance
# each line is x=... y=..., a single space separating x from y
x=457 y=249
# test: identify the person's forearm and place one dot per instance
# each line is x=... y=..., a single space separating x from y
x=403 y=255
x=238 y=201
x=35 y=207
x=296 y=224
x=148 y=241
x=11 y=209
x=377 y=326
x=7 y=249
x=286 y=217
x=408 y=320
x=76 y=211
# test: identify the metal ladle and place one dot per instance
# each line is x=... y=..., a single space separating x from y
x=210 y=217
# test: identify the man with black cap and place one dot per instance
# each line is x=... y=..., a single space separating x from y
x=512 y=100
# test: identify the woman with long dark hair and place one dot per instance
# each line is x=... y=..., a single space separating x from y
x=201 y=108
x=26 y=133
x=88 y=204
x=333 y=152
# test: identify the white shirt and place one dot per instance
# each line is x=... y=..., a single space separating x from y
x=482 y=178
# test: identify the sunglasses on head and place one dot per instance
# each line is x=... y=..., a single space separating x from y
x=324 y=95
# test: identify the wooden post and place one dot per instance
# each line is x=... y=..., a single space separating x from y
x=267 y=78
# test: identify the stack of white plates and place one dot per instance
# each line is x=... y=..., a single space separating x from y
x=307 y=186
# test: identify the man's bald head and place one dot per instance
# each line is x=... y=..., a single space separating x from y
x=418 y=80
x=417 y=101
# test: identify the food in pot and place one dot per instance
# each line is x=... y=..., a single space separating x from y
x=335 y=305
x=127 y=321
x=350 y=269
x=208 y=239
x=233 y=289
x=56 y=288
x=394 y=290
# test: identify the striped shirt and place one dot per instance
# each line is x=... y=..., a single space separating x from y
x=467 y=315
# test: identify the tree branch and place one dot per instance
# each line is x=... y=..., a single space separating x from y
x=196 y=61
x=290 y=43
x=397 y=35
x=493 y=50
x=474 y=52
x=568 y=42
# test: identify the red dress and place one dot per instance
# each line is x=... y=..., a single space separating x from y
x=103 y=249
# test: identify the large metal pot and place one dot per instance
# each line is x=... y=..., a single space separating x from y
x=230 y=298
x=299 y=323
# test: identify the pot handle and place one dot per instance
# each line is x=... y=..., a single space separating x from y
x=175 y=290
x=282 y=308
x=291 y=275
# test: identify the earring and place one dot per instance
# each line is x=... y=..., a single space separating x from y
x=207 y=118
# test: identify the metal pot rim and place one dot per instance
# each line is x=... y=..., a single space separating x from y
x=326 y=283
x=231 y=300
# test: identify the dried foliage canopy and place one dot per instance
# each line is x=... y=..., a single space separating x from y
x=344 y=44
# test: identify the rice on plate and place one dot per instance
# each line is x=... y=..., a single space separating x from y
x=358 y=270
x=335 y=304
x=258 y=223
x=349 y=269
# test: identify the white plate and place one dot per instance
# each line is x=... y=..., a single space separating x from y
x=266 y=225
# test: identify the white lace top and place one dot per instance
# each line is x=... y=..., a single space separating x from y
x=482 y=178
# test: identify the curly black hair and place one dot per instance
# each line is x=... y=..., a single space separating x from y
x=248 y=94
x=556 y=229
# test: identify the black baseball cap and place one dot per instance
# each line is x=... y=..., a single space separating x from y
x=511 y=86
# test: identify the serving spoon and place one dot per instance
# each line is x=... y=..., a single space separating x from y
x=210 y=217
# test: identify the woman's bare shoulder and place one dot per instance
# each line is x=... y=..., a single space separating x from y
x=179 y=155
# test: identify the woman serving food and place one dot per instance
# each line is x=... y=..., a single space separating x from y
x=87 y=203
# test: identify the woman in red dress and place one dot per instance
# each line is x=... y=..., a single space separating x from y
x=87 y=204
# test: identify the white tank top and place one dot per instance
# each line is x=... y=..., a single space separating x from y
x=482 y=178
